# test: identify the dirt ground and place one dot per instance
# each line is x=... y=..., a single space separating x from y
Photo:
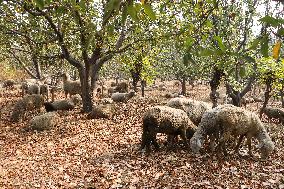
x=101 y=153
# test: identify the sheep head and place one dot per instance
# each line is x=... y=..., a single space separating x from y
x=266 y=147
x=65 y=76
x=195 y=144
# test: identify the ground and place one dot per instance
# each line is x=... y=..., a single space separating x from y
x=101 y=153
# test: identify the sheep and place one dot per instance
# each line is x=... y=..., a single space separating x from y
x=9 y=83
x=43 y=122
x=171 y=95
x=101 y=111
x=44 y=90
x=67 y=104
x=112 y=84
x=122 y=87
x=162 y=87
x=70 y=87
x=164 y=119
x=228 y=120
x=110 y=91
x=122 y=97
x=30 y=88
x=194 y=109
x=29 y=102
x=275 y=113
x=106 y=101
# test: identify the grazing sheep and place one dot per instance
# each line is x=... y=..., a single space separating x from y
x=122 y=97
x=122 y=87
x=106 y=101
x=30 y=88
x=29 y=102
x=44 y=90
x=257 y=99
x=194 y=109
x=112 y=84
x=229 y=120
x=164 y=119
x=162 y=87
x=275 y=113
x=171 y=95
x=110 y=91
x=101 y=111
x=43 y=122
x=70 y=87
x=9 y=83
x=67 y=104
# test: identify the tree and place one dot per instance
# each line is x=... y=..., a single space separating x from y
x=89 y=33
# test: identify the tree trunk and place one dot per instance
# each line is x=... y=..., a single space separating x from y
x=236 y=99
x=282 y=96
x=143 y=84
x=183 y=86
x=214 y=84
x=86 y=89
x=37 y=67
x=266 y=94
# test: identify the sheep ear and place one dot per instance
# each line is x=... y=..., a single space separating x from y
x=260 y=145
x=198 y=142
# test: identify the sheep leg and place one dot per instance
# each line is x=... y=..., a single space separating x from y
x=144 y=140
x=239 y=144
x=212 y=142
x=154 y=141
x=183 y=136
x=249 y=146
x=222 y=143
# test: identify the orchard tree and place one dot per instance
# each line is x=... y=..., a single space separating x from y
x=88 y=33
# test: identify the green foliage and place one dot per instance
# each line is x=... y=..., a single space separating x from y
x=271 y=69
x=149 y=11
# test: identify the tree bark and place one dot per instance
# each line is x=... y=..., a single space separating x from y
x=183 y=86
x=86 y=89
x=214 y=84
x=267 y=94
x=143 y=85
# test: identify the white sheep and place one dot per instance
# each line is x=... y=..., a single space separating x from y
x=67 y=104
x=164 y=119
x=102 y=111
x=122 y=97
x=194 y=109
x=71 y=87
x=228 y=120
x=29 y=102
x=43 y=122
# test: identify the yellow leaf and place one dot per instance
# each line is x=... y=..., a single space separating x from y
x=142 y=2
x=276 y=50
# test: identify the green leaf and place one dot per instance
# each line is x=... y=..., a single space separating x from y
x=40 y=3
x=149 y=11
x=270 y=20
x=82 y=4
x=255 y=43
x=264 y=46
x=206 y=52
x=242 y=71
x=249 y=58
x=188 y=42
x=280 y=32
x=124 y=15
x=60 y=10
x=132 y=12
x=220 y=43
x=111 y=5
